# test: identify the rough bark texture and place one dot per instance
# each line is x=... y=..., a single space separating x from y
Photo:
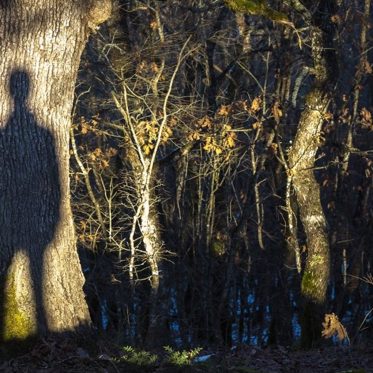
x=307 y=189
x=40 y=43
x=302 y=156
x=315 y=277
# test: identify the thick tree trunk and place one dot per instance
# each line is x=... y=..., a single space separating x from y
x=40 y=43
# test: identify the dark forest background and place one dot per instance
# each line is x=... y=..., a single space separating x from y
x=188 y=227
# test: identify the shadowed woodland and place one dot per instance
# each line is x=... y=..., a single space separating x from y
x=200 y=203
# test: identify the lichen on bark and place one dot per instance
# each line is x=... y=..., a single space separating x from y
x=18 y=307
x=310 y=284
x=17 y=322
x=257 y=7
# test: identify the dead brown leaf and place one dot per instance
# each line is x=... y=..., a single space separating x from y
x=332 y=326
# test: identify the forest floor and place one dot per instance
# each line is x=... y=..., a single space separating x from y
x=66 y=357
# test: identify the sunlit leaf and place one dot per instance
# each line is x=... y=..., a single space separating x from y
x=332 y=326
x=223 y=110
x=277 y=112
x=256 y=104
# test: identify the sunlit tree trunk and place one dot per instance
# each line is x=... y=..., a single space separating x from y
x=153 y=245
x=302 y=157
x=41 y=279
x=145 y=222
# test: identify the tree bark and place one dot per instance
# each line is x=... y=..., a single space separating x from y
x=146 y=221
x=41 y=42
x=302 y=157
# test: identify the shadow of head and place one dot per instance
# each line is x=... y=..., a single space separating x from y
x=19 y=85
x=4 y=4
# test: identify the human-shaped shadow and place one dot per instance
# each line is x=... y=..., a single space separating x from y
x=29 y=192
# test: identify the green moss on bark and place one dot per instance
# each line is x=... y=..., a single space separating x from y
x=315 y=278
x=257 y=7
x=313 y=297
x=18 y=324
x=309 y=284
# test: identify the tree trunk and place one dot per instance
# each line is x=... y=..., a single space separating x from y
x=146 y=221
x=42 y=281
x=302 y=157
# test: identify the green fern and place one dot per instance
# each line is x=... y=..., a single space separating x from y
x=181 y=358
x=140 y=358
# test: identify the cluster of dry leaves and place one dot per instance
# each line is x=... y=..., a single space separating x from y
x=333 y=327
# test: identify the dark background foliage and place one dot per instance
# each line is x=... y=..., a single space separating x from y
x=217 y=190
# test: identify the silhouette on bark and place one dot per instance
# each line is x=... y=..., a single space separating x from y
x=42 y=42
x=29 y=196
